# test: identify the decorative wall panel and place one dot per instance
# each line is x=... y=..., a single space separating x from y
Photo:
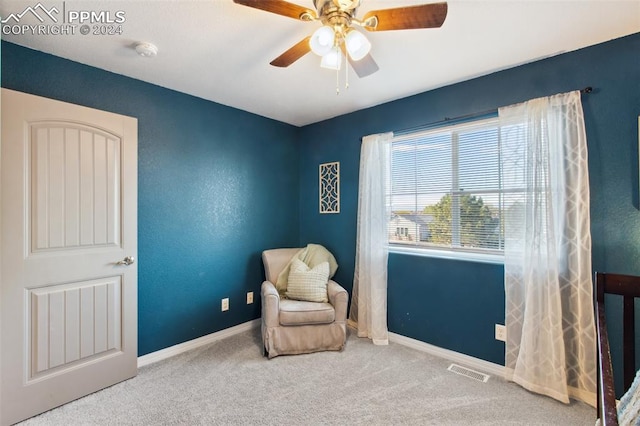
x=330 y=187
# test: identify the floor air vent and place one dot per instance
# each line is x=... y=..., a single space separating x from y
x=472 y=374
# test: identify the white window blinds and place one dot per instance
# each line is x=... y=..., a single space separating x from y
x=446 y=189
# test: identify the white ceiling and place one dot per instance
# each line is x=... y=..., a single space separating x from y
x=220 y=51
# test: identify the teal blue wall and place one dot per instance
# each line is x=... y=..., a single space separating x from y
x=208 y=179
x=455 y=304
x=207 y=172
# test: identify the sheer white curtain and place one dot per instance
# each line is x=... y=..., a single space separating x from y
x=369 y=296
x=550 y=346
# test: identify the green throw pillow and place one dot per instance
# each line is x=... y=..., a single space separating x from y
x=308 y=284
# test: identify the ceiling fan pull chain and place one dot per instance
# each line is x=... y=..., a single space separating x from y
x=338 y=81
x=346 y=73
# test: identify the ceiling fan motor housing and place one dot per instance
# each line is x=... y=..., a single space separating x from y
x=342 y=4
x=333 y=14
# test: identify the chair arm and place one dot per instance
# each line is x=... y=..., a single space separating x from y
x=339 y=298
x=270 y=304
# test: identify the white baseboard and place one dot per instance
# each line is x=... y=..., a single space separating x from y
x=195 y=343
x=457 y=357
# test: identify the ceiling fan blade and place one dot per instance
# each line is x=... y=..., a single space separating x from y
x=365 y=66
x=406 y=18
x=279 y=7
x=293 y=54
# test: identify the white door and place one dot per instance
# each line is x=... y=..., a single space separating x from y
x=68 y=212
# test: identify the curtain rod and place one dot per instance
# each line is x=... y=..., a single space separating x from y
x=586 y=90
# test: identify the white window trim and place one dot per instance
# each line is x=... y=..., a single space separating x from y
x=467 y=256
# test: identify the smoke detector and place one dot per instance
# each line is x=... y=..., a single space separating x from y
x=148 y=50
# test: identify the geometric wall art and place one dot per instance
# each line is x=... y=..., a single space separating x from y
x=329 y=175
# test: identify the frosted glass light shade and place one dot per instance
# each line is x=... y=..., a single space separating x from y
x=322 y=40
x=357 y=45
x=332 y=60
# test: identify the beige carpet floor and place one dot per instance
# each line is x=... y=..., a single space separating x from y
x=229 y=383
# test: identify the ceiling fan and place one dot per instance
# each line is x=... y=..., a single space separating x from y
x=339 y=37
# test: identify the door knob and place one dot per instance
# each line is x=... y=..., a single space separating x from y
x=126 y=261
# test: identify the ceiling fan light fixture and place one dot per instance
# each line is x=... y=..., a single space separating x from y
x=332 y=60
x=322 y=40
x=357 y=45
x=337 y=38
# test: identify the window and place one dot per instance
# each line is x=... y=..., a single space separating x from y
x=447 y=188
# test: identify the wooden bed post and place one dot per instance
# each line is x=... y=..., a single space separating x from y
x=629 y=347
x=628 y=287
x=606 y=396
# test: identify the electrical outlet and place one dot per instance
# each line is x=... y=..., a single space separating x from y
x=225 y=304
x=249 y=297
x=501 y=332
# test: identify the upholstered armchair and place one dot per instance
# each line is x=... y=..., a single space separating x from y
x=297 y=326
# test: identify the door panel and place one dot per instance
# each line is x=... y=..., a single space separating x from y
x=68 y=319
x=75 y=186
x=73 y=322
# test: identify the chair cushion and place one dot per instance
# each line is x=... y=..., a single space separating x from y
x=308 y=284
x=297 y=312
